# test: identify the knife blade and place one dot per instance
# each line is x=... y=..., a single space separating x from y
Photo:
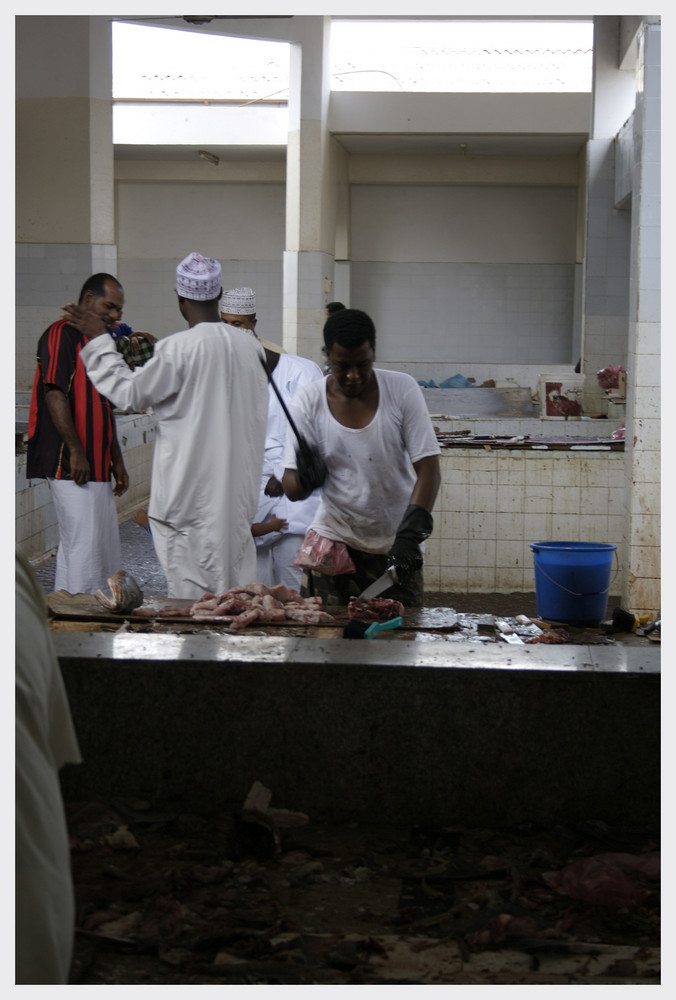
x=388 y=578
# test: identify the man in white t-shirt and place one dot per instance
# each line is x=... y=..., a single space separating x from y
x=370 y=444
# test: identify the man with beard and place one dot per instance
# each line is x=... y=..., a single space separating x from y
x=72 y=443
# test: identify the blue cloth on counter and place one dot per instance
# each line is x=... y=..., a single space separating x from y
x=457 y=382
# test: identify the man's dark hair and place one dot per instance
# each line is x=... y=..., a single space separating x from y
x=349 y=328
x=207 y=303
x=334 y=307
x=97 y=285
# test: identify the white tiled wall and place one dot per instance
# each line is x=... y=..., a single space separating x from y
x=150 y=299
x=643 y=468
x=35 y=527
x=47 y=276
x=240 y=224
x=461 y=314
x=493 y=504
x=607 y=270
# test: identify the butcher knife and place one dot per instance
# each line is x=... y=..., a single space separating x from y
x=388 y=578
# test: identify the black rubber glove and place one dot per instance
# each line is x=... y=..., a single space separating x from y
x=415 y=527
x=310 y=467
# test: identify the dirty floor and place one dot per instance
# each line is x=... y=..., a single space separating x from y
x=169 y=898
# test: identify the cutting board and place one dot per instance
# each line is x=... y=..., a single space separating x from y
x=62 y=604
x=85 y=607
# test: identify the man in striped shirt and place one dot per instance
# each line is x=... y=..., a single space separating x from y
x=72 y=442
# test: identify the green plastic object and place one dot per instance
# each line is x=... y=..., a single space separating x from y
x=377 y=627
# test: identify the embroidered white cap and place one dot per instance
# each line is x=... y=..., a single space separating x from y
x=198 y=278
x=239 y=302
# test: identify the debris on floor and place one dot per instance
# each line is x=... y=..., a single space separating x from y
x=165 y=897
x=258 y=813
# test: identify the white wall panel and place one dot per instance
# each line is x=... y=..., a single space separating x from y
x=462 y=275
x=226 y=221
x=241 y=225
x=452 y=315
x=502 y=224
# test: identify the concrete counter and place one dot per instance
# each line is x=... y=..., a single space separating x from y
x=371 y=731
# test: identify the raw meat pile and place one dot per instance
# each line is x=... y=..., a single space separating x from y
x=551 y=636
x=608 y=377
x=377 y=609
x=240 y=606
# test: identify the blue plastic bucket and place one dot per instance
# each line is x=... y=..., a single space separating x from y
x=572 y=580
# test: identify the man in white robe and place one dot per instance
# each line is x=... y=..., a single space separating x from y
x=208 y=389
x=276 y=550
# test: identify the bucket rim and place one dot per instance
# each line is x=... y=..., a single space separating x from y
x=574 y=546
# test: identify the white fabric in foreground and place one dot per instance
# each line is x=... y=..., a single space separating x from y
x=45 y=740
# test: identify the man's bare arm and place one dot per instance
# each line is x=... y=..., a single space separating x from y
x=427 y=484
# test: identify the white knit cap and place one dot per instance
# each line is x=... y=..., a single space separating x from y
x=239 y=302
x=198 y=278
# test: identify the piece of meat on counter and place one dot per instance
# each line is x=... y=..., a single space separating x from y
x=377 y=609
x=240 y=606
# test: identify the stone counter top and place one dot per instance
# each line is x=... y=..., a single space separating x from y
x=139 y=649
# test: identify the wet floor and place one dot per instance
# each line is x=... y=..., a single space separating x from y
x=138 y=558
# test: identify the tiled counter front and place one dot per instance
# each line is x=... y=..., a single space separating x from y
x=493 y=502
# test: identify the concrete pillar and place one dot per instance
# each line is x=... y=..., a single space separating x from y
x=64 y=180
x=642 y=590
x=606 y=259
x=312 y=158
x=621 y=319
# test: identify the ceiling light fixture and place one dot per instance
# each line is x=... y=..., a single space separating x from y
x=206 y=155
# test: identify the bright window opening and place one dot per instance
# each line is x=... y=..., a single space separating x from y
x=462 y=56
x=161 y=64
x=424 y=56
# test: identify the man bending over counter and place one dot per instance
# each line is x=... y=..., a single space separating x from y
x=371 y=446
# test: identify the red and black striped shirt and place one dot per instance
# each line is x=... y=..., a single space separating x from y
x=59 y=364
